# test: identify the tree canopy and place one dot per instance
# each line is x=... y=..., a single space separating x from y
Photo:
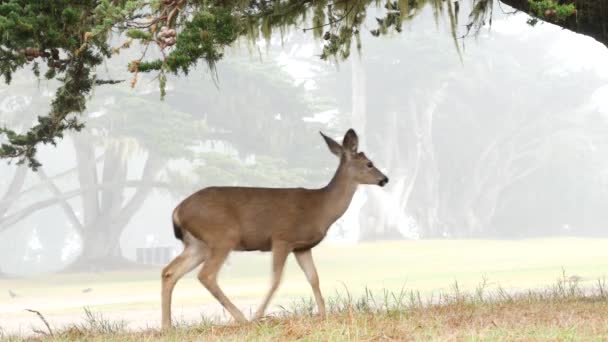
x=66 y=40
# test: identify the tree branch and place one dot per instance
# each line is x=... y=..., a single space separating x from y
x=13 y=189
x=151 y=169
x=87 y=177
x=54 y=177
x=114 y=169
x=67 y=209
x=8 y=221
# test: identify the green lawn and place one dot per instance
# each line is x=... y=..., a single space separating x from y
x=429 y=266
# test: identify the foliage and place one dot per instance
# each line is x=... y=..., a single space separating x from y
x=70 y=98
x=67 y=40
x=54 y=35
x=551 y=10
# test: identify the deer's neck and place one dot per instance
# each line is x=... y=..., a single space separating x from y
x=338 y=194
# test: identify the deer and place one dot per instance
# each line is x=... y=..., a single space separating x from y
x=214 y=221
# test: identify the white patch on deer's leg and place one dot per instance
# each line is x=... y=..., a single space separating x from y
x=279 y=255
x=192 y=256
x=208 y=277
x=307 y=265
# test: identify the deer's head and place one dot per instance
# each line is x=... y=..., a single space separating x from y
x=355 y=164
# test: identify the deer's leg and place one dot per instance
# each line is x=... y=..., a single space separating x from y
x=280 y=251
x=208 y=277
x=307 y=265
x=192 y=256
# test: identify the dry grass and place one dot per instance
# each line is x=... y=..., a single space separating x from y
x=564 y=311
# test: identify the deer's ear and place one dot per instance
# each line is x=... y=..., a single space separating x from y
x=334 y=147
x=351 y=141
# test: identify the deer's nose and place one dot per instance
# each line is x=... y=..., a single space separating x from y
x=383 y=181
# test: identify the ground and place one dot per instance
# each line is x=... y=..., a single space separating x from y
x=424 y=268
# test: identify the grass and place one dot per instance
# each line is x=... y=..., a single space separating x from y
x=426 y=267
x=564 y=311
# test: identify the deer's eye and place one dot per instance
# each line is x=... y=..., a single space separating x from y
x=370 y=165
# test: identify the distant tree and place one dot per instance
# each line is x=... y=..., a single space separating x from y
x=495 y=146
x=105 y=206
x=461 y=142
x=123 y=126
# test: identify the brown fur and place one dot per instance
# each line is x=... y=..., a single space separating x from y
x=217 y=220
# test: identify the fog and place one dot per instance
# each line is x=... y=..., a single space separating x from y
x=496 y=154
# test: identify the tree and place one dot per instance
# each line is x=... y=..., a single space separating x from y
x=76 y=39
x=105 y=187
x=176 y=34
x=100 y=178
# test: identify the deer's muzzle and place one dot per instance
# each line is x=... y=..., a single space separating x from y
x=383 y=181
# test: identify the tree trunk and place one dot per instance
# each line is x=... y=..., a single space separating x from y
x=375 y=222
x=428 y=190
x=87 y=176
x=385 y=210
x=426 y=208
x=359 y=97
x=100 y=250
x=107 y=216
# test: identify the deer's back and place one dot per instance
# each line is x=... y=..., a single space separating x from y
x=250 y=218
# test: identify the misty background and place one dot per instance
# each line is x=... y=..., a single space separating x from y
x=507 y=140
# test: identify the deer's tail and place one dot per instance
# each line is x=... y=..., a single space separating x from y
x=177 y=230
